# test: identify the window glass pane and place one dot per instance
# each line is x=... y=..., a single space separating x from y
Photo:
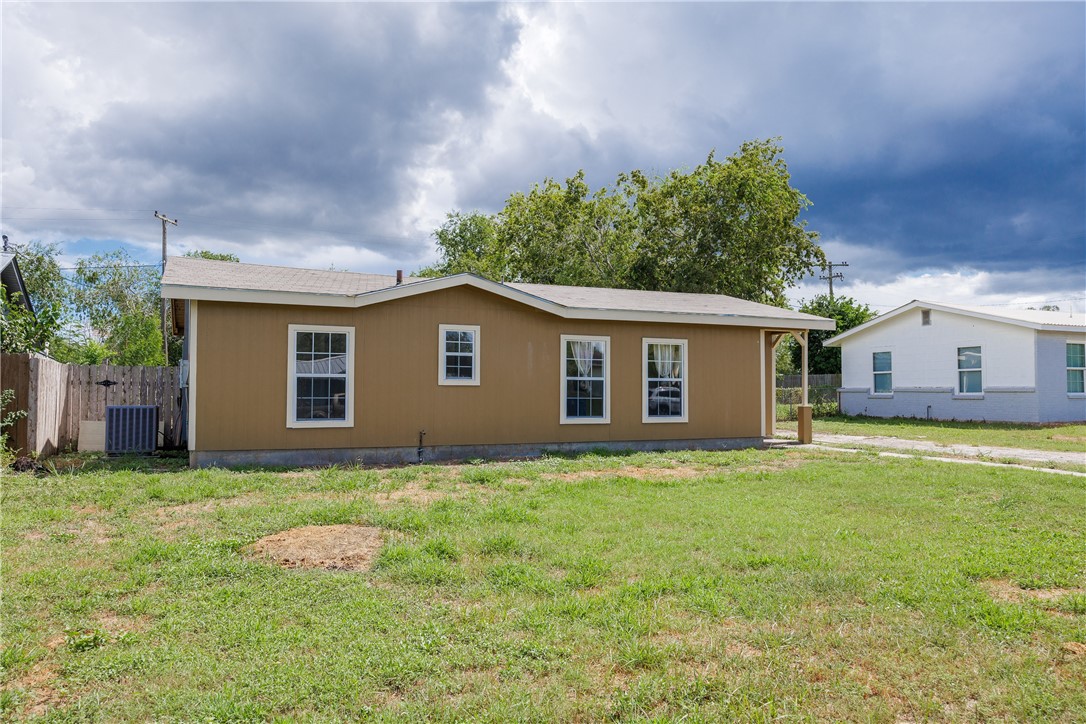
x=969 y=382
x=337 y=365
x=881 y=361
x=883 y=383
x=969 y=358
x=320 y=341
x=1076 y=355
x=339 y=344
x=305 y=341
x=1075 y=381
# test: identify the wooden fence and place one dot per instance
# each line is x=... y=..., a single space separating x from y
x=57 y=397
x=784 y=381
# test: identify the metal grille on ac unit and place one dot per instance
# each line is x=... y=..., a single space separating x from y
x=131 y=428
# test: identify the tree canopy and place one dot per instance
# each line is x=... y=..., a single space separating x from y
x=848 y=313
x=108 y=311
x=726 y=227
x=213 y=255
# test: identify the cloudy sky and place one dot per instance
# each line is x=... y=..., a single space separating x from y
x=941 y=144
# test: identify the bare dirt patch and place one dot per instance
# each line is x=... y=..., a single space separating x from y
x=330 y=547
x=38 y=683
x=205 y=506
x=1069 y=438
x=1074 y=648
x=1007 y=591
x=631 y=471
x=115 y=623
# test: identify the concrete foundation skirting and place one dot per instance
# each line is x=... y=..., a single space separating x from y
x=445 y=453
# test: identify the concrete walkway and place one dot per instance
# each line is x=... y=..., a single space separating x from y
x=967 y=451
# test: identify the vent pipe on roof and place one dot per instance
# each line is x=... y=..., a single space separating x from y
x=399 y=277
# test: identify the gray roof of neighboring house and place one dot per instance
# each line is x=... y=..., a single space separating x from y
x=12 y=279
x=1037 y=319
x=193 y=278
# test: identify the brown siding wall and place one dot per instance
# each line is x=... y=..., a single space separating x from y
x=242 y=376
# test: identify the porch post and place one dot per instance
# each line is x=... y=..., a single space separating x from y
x=803 y=343
x=804 y=428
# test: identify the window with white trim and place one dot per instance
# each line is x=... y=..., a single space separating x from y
x=586 y=379
x=320 y=388
x=663 y=372
x=1076 y=367
x=882 y=372
x=459 y=354
x=969 y=371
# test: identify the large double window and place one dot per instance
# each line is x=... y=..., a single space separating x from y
x=586 y=379
x=664 y=376
x=320 y=389
x=970 y=371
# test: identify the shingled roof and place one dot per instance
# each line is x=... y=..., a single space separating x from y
x=203 y=279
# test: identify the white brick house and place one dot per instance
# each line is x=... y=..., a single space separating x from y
x=952 y=362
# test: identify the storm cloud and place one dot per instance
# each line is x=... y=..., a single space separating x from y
x=936 y=141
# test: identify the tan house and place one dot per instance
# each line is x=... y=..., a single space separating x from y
x=295 y=366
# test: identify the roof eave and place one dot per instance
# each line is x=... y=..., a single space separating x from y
x=425 y=286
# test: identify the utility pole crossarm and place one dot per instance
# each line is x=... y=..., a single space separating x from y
x=830 y=276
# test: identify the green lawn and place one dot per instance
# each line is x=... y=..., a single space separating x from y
x=1069 y=438
x=701 y=586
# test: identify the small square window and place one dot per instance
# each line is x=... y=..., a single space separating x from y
x=458 y=354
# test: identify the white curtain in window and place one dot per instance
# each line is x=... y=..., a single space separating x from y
x=582 y=355
x=667 y=367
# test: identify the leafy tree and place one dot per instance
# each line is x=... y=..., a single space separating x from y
x=24 y=331
x=727 y=227
x=45 y=282
x=848 y=313
x=120 y=299
x=213 y=255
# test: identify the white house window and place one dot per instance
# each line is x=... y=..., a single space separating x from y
x=925 y=317
x=459 y=354
x=321 y=380
x=664 y=373
x=882 y=370
x=1076 y=367
x=586 y=379
x=969 y=371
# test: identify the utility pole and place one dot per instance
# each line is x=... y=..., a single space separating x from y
x=829 y=277
x=165 y=337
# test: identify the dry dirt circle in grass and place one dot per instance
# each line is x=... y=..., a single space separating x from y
x=331 y=547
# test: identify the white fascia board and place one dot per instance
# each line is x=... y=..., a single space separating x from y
x=918 y=304
x=179 y=291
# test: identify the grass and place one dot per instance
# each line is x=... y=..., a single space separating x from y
x=1066 y=438
x=703 y=586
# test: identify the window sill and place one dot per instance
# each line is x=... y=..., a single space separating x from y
x=1076 y=395
x=653 y=420
x=330 y=423
x=880 y=396
x=585 y=421
x=458 y=383
x=968 y=396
